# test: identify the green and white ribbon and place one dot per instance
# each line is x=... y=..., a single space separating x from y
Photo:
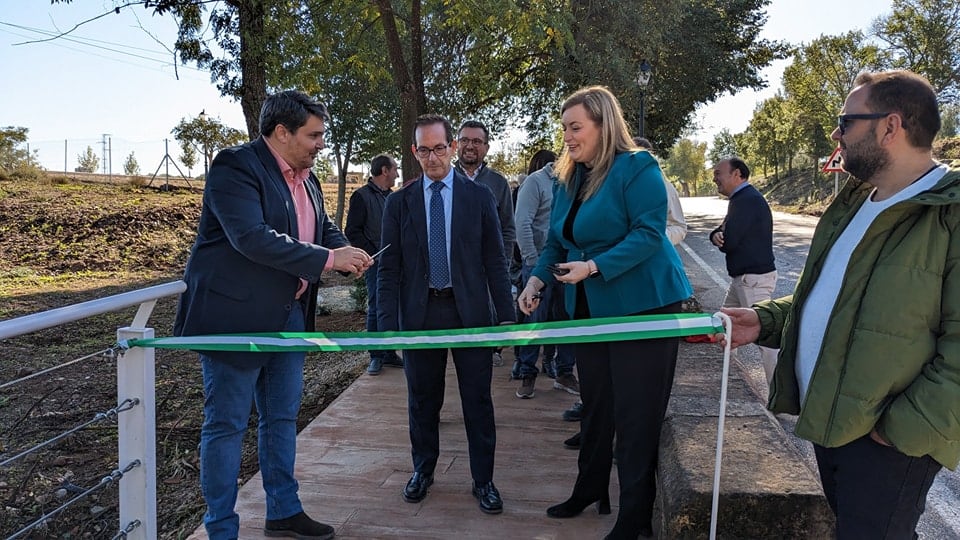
x=549 y=333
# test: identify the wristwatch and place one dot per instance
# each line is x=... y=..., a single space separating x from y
x=592 y=266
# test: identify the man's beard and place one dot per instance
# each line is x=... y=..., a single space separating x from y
x=865 y=158
x=469 y=161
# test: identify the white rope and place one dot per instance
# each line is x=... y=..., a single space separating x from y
x=728 y=329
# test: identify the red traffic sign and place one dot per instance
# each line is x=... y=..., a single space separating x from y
x=833 y=162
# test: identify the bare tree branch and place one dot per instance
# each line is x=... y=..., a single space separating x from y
x=115 y=10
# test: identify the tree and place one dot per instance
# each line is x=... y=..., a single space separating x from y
x=687 y=164
x=511 y=160
x=713 y=47
x=800 y=121
x=822 y=75
x=324 y=170
x=724 y=145
x=130 y=166
x=950 y=121
x=188 y=156
x=88 y=161
x=208 y=135
x=924 y=36
x=339 y=58
x=498 y=60
x=13 y=158
x=462 y=59
x=242 y=43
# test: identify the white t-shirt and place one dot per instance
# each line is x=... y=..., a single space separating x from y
x=817 y=309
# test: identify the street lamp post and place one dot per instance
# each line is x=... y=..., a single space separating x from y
x=643 y=79
x=203 y=120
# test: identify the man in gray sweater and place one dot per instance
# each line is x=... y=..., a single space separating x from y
x=474 y=142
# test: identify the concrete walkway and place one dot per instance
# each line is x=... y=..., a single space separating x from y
x=354 y=459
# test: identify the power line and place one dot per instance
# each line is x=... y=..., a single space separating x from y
x=80 y=39
x=162 y=62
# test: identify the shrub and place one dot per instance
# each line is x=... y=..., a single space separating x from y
x=359 y=294
x=947 y=149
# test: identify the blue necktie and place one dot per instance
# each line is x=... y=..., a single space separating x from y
x=439 y=271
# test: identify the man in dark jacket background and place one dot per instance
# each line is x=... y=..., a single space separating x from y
x=746 y=237
x=364 y=218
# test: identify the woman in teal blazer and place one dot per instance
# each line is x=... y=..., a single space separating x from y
x=607 y=240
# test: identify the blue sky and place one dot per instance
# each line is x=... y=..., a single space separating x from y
x=112 y=77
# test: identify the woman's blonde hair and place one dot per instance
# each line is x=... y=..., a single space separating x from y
x=603 y=108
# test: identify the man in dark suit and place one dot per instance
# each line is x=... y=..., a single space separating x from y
x=446 y=253
x=263 y=240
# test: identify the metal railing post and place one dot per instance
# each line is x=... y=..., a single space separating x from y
x=138 y=435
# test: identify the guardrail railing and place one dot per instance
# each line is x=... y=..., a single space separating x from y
x=136 y=472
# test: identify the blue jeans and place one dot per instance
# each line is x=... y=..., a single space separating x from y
x=546 y=311
x=229 y=390
x=370 y=276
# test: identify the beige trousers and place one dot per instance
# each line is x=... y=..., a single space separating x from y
x=746 y=290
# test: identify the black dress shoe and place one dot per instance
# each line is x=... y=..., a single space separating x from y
x=573 y=442
x=298 y=526
x=416 y=489
x=489 y=497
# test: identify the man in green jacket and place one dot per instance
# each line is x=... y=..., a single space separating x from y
x=870 y=339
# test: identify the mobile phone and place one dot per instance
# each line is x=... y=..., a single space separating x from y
x=377 y=254
x=556 y=270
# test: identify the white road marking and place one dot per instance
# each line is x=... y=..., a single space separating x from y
x=722 y=283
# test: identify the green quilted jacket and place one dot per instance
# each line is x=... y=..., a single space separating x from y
x=890 y=358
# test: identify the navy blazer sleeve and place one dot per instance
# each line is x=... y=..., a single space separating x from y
x=389 y=265
x=253 y=216
x=243 y=271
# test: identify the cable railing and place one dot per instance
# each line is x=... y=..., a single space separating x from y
x=135 y=414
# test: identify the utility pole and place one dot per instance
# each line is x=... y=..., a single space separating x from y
x=103 y=151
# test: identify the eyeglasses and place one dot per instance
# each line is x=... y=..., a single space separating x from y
x=476 y=142
x=843 y=120
x=440 y=150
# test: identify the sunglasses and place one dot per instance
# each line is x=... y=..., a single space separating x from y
x=843 y=120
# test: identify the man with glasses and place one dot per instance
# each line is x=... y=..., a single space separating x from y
x=870 y=338
x=444 y=265
x=474 y=142
x=746 y=238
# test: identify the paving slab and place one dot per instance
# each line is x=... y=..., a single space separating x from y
x=354 y=459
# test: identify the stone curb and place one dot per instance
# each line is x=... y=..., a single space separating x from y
x=766 y=488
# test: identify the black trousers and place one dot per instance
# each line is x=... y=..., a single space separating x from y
x=425 y=371
x=875 y=491
x=625 y=387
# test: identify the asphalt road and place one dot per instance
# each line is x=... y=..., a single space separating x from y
x=705 y=265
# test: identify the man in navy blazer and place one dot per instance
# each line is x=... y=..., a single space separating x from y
x=444 y=264
x=263 y=240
